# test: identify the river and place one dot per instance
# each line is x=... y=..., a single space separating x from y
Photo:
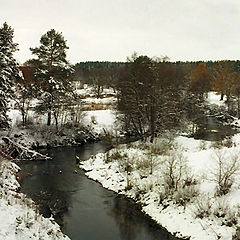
x=211 y=129
x=85 y=209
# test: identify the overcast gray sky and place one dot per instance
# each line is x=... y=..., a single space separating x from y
x=114 y=29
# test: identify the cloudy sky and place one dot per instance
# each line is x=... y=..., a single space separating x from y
x=111 y=30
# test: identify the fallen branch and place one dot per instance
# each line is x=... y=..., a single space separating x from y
x=17 y=151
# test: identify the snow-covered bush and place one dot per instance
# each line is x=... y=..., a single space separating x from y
x=203 y=145
x=118 y=156
x=217 y=144
x=93 y=119
x=236 y=236
x=185 y=194
x=146 y=163
x=177 y=183
x=227 y=167
x=222 y=210
x=125 y=164
x=160 y=146
x=175 y=170
x=142 y=163
x=227 y=142
x=203 y=207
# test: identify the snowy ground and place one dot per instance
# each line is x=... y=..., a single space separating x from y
x=146 y=188
x=87 y=91
x=214 y=98
x=19 y=218
x=99 y=114
x=101 y=119
x=97 y=121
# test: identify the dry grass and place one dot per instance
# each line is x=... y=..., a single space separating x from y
x=98 y=106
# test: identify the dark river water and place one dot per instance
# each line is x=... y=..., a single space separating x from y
x=88 y=211
x=213 y=130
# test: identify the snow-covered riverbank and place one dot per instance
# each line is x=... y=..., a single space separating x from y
x=197 y=212
x=19 y=217
x=37 y=134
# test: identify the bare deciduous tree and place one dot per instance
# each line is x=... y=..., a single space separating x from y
x=176 y=170
x=227 y=167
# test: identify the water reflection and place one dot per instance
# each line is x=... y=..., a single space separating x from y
x=125 y=213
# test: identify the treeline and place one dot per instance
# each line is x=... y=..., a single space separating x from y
x=154 y=94
x=98 y=74
x=107 y=73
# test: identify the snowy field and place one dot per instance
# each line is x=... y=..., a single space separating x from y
x=98 y=119
x=99 y=114
x=214 y=98
x=87 y=91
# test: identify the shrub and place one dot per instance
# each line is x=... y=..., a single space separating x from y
x=227 y=142
x=177 y=184
x=227 y=167
x=222 y=210
x=185 y=195
x=203 y=207
x=236 y=236
x=203 y=145
x=175 y=169
x=160 y=147
x=146 y=164
x=93 y=119
x=217 y=144
x=116 y=155
x=142 y=163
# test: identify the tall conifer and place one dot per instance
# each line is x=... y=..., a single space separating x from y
x=8 y=71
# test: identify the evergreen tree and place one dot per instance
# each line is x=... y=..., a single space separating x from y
x=52 y=71
x=8 y=71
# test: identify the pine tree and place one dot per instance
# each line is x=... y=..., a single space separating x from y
x=8 y=71
x=53 y=71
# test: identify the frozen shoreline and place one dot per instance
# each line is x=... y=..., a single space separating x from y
x=178 y=220
x=19 y=217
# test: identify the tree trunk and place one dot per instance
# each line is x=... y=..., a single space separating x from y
x=238 y=107
x=228 y=103
x=222 y=95
x=23 y=118
x=193 y=129
x=56 y=120
x=49 y=118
